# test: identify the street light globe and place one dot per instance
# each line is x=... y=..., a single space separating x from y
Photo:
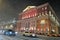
x=11 y=26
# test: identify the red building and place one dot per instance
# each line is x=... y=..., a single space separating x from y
x=38 y=19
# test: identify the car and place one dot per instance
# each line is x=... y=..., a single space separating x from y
x=10 y=33
x=26 y=34
x=29 y=34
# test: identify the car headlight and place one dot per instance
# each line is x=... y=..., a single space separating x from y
x=16 y=32
x=10 y=32
x=33 y=35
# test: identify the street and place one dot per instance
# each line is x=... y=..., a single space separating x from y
x=19 y=37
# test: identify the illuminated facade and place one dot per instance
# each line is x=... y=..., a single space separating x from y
x=38 y=19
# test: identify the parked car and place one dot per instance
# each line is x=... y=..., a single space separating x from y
x=10 y=33
x=29 y=34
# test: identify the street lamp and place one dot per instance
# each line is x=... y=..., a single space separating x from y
x=11 y=26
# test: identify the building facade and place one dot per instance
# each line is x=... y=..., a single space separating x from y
x=38 y=19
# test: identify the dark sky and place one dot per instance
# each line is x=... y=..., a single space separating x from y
x=9 y=9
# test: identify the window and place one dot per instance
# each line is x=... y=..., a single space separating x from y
x=24 y=28
x=49 y=13
x=6 y=27
x=27 y=29
x=42 y=22
x=42 y=8
x=29 y=16
x=53 y=31
x=41 y=29
x=34 y=28
x=38 y=29
x=38 y=16
x=31 y=28
x=21 y=28
x=45 y=8
x=35 y=14
x=45 y=12
x=11 y=26
x=47 y=29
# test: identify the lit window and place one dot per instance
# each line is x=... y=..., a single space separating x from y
x=27 y=29
x=24 y=28
x=11 y=26
x=53 y=18
x=45 y=8
x=43 y=13
x=26 y=16
x=53 y=30
x=42 y=22
x=38 y=16
x=49 y=13
x=52 y=15
x=41 y=29
x=47 y=29
x=57 y=22
x=21 y=28
x=35 y=14
x=46 y=13
x=38 y=29
x=34 y=28
x=42 y=8
x=31 y=28
x=6 y=26
x=29 y=15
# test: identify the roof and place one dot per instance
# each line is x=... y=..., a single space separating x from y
x=28 y=7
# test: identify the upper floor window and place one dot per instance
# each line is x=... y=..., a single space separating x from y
x=29 y=16
x=42 y=8
x=49 y=13
x=43 y=13
x=35 y=14
x=46 y=13
x=45 y=8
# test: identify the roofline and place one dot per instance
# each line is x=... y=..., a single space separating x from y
x=53 y=12
x=38 y=7
x=42 y=5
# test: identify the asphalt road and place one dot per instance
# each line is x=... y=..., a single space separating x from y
x=19 y=37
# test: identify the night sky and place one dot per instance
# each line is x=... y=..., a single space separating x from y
x=9 y=9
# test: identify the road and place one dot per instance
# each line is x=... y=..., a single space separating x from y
x=19 y=37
